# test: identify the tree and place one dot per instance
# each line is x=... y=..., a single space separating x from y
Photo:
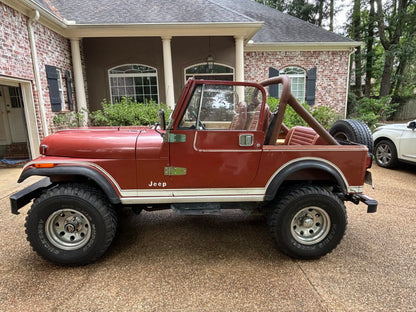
x=369 y=50
x=356 y=35
x=331 y=15
x=390 y=25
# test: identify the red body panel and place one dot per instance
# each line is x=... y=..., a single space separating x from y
x=152 y=158
x=137 y=160
x=93 y=143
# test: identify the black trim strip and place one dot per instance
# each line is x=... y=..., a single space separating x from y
x=97 y=177
x=306 y=164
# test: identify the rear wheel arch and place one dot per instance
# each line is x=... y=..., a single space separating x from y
x=75 y=173
x=304 y=166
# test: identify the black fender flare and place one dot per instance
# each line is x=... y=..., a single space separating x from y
x=87 y=172
x=284 y=173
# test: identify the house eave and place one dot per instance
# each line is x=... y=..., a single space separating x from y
x=301 y=46
x=46 y=18
x=244 y=30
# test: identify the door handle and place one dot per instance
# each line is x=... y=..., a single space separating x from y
x=246 y=139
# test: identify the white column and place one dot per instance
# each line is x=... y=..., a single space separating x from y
x=167 y=66
x=239 y=58
x=78 y=78
x=239 y=65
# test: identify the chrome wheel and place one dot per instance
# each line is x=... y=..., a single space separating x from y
x=310 y=225
x=384 y=154
x=68 y=229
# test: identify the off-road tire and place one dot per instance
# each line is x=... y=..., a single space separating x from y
x=303 y=209
x=386 y=154
x=351 y=130
x=71 y=224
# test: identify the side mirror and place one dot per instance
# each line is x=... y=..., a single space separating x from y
x=161 y=119
x=412 y=125
x=161 y=122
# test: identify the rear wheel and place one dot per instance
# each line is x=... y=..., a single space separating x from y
x=307 y=222
x=71 y=224
x=350 y=130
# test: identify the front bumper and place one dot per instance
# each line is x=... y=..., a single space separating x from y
x=23 y=197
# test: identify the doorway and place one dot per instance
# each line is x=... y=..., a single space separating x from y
x=14 y=147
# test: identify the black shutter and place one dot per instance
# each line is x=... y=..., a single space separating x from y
x=55 y=97
x=273 y=89
x=68 y=82
x=311 y=86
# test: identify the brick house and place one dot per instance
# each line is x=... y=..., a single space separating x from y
x=58 y=56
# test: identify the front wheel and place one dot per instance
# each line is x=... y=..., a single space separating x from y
x=307 y=222
x=386 y=154
x=71 y=224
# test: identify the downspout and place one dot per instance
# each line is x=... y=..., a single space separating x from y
x=33 y=17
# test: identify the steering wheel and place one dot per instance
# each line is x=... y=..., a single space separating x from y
x=200 y=123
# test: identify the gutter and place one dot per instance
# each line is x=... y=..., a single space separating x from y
x=301 y=46
x=247 y=30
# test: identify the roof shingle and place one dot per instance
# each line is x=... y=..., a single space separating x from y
x=278 y=27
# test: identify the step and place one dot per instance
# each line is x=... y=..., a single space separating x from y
x=197 y=209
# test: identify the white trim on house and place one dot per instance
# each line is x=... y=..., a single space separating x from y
x=61 y=89
x=209 y=74
x=301 y=46
x=29 y=111
x=245 y=30
x=126 y=75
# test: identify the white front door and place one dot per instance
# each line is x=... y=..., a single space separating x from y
x=12 y=126
x=408 y=145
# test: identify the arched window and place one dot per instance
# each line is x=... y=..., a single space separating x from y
x=135 y=81
x=218 y=72
x=298 y=79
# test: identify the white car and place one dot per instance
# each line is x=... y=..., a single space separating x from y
x=394 y=143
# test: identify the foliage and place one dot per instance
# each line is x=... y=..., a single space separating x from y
x=68 y=120
x=325 y=115
x=372 y=111
x=311 y=11
x=127 y=113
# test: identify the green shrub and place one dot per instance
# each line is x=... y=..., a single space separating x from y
x=68 y=120
x=325 y=115
x=372 y=111
x=127 y=113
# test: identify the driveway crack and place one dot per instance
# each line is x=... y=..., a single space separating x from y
x=324 y=303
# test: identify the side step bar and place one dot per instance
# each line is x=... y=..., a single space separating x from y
x=197 y=209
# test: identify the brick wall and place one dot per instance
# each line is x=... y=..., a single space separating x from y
x=16 y=59
x=54 y=50
x=331 y=76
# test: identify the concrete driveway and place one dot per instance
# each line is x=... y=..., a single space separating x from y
x=164 y=262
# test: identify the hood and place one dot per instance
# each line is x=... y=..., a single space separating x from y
x=103 y=143
x=398 y=127
x=394 y=127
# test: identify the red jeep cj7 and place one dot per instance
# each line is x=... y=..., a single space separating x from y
x=222 y=149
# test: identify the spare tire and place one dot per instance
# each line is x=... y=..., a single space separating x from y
x=351 y=130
